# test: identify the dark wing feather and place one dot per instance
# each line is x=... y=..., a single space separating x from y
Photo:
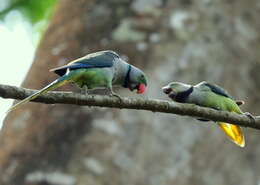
x=218 y=90
x=201 y=119
x=95 y=60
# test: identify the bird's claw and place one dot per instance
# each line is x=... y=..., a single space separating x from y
x=84 y=90
x=116 y=95
x=249 y=115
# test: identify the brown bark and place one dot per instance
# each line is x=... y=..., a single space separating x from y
x=153 y=105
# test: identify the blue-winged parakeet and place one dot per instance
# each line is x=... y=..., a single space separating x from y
x=102 y=69
x=209 y=95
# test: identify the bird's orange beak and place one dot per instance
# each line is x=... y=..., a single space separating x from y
x=141 y=89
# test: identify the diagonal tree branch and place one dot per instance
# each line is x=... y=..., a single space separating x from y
x=154 y=105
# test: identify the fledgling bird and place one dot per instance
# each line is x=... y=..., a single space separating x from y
x=209 y=95
x=103 y=69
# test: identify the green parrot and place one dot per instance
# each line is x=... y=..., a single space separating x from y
x=209 y=95
x=102 y=69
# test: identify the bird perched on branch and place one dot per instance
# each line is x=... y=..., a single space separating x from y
x=209 y=95
x=102 y=69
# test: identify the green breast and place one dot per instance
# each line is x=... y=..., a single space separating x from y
x=93 y=78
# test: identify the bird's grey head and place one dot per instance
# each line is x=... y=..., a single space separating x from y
x=135 y=79
x=174 y=88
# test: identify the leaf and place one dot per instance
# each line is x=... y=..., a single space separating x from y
x=33 y=10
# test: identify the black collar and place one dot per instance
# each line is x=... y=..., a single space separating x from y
x=182 y=97
x=127 y=77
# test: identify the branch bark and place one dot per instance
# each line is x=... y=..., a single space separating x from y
x=154 y=105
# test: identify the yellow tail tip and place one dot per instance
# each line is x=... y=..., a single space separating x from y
x=242 y=144
x=234 y=133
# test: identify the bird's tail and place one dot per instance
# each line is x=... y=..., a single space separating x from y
x=55 y=84
x=234 y=133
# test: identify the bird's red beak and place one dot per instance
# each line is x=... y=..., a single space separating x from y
x=141 y=89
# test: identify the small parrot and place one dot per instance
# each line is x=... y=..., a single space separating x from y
x=102 y=69
x=209 y=95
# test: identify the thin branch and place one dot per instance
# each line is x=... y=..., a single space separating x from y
x=153 y=105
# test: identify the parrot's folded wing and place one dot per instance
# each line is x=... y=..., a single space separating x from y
x=234 y=133
x=99 y=61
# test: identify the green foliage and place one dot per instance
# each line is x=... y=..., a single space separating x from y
x=33 y=10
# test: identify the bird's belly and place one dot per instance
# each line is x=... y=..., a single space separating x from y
x=92 y=78
x=214 y=101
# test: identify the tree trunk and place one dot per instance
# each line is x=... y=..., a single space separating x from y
x=184 y=40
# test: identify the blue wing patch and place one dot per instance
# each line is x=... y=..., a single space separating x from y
x=95 y=60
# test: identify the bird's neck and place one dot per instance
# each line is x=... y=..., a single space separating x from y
x=127 y=76
x=122 y=72
x=183 y=96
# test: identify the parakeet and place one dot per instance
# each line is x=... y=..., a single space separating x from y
x=209 y=95
x=102 y=69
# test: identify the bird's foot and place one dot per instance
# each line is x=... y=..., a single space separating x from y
x=84 y=90
x=248 y=114
x=116 y=95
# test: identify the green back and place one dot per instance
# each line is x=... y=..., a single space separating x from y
x=218 y=98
